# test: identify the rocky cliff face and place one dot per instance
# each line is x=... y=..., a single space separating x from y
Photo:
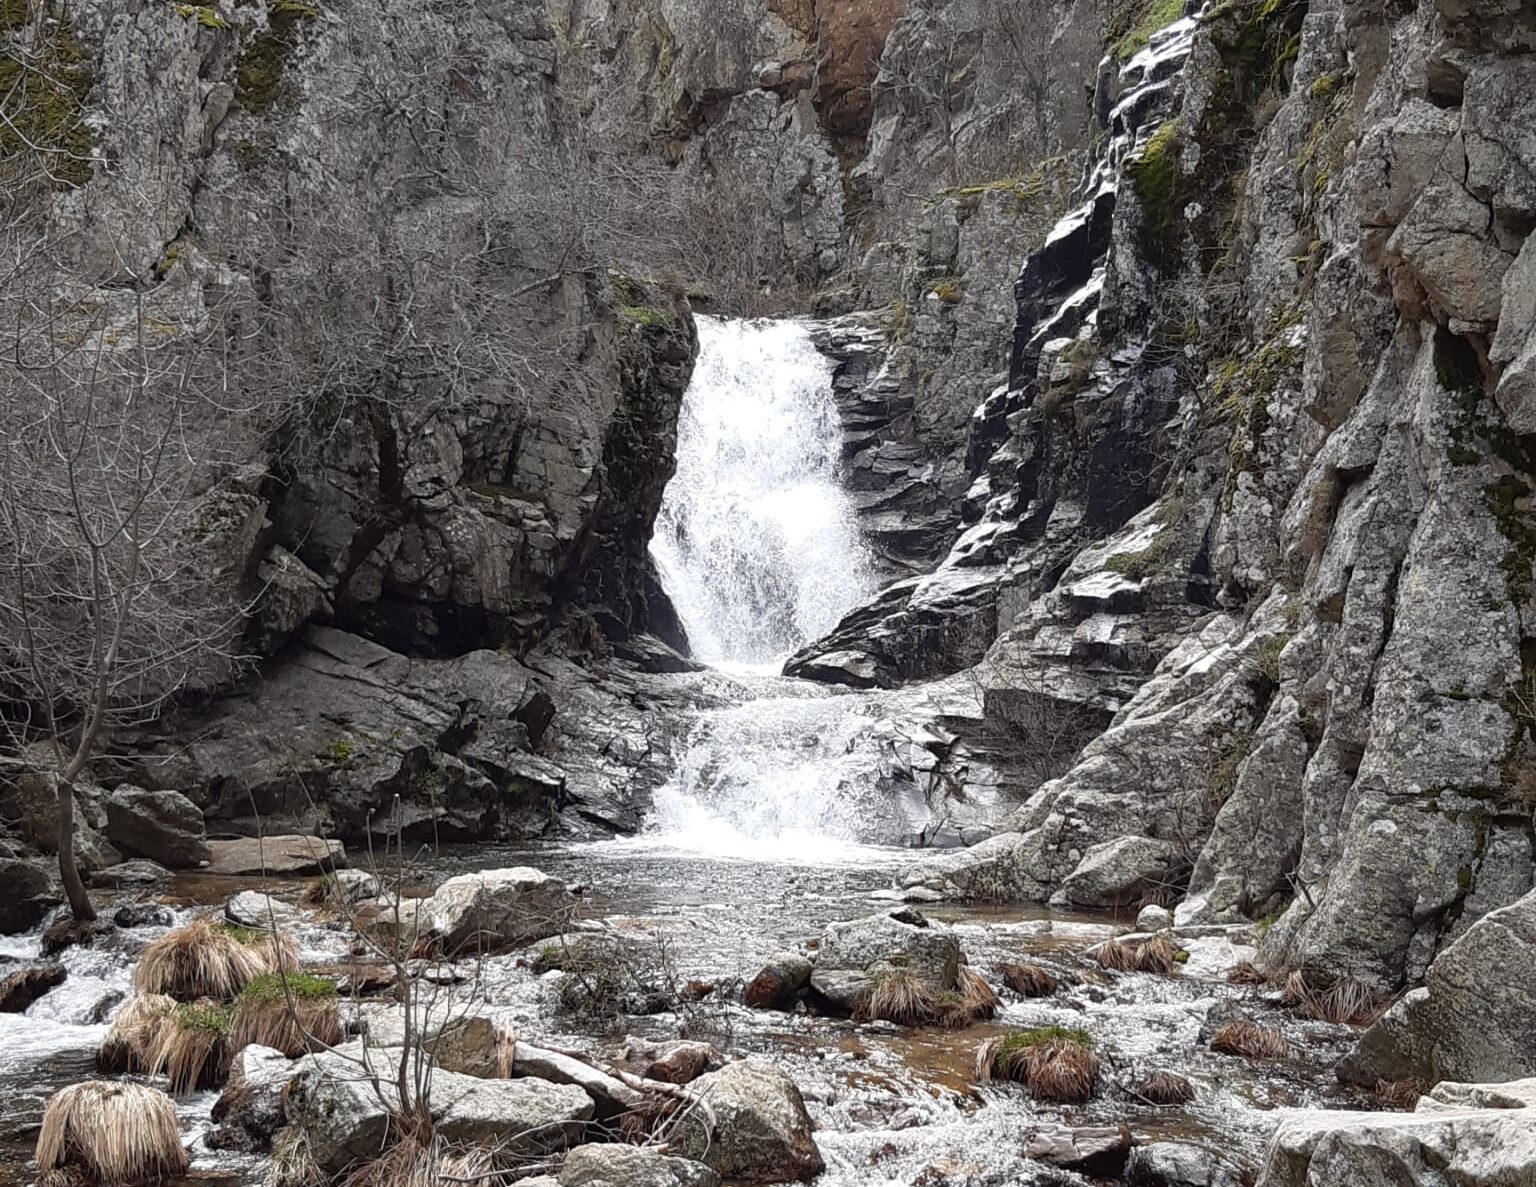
x=1257 y=492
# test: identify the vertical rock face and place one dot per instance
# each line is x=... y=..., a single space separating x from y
x=1279 y=522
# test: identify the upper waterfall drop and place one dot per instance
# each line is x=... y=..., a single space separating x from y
x=756 y=540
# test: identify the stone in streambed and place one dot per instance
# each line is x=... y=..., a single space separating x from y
x=853 y=957
x=28 y=895
x=763 y=1133
x=497 y=910
x=779 y=985
x=19 y=988
x=288 y=855
x=631 y=1166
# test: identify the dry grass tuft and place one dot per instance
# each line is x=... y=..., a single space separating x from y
x=1165 y=1088
x=413 y=1163
x=1399 y=1095
x=1027 y=980
x=192 y=1047
x=1245 y=972
x=130 y=1041
x=1346 y=1001
x=210 y=960
x=109 y=1135
x=974 y=1001
x=908 y=1000
x=899 y=997
x=1115 y=955
x=1157 y=955
x=1054 y=1063
x=293 y=1012
x=1250 y=1040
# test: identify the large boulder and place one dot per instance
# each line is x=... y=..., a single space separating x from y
x=853 y=957
x=1459 y=1136
x=1118 y=872
x=28 y=895
x=762 y=1134
x=163 y=826
x=287 y=855
x=345 y=1112
x=779 y=985
x=497 y=910
x=1473 y=1019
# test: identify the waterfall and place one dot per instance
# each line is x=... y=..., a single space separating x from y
x=756 y=540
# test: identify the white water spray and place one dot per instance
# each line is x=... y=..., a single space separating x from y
x=756 y=541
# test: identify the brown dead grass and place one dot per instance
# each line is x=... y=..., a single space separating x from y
x=192 y=1048
x=974 y=1001
x=1250 y=1040
x=414 y=1163
x=208 y=960
x=109 y=1135
x=135 y=1028
x=1346 y=1001
x=1245 y=972
x=1156 y=955
x=1053 y=1063
x=1165 y=1088
x=1027 y=980
x=908 y=1000
x=306 y=1026
x=1399 y=1095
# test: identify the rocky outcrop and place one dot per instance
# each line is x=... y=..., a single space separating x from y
x=1460 y=1135
x=29 y=895
x=1474 y=1017
x=495 y=910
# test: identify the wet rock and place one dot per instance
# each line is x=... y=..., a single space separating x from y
x=289 y=855
x=67 y=933
x=250 y=1110
x=631 y=1166
x=1099 y=1150
x=779 y=985
x=28 y=895
x=102 y=1010
x=1437 y=1145
x=163 y=826
x=763 y=1132
x=19 y=988
x=1473 y=1019
x=610 y=1096
x=346 y=888
x=138 y=872
x=853 y=668
x=264 y=912
x=673 y=1063
x=345 y=1114
x=143 y=915
x=496 y=910
x=853 y=957
x=1180 y=1164
x=1153 y=918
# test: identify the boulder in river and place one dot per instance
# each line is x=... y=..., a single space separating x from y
x=1473 y=1019
x=250 y=1109
x=163 y=826
x=345 y=1114
x=263 y=912
x=289 y=855
x=901 y=967
x=496 y=910
x=20 y=987
x=763 y=1133
x=779 y=985
x=139 y=872
x=1459 y=1136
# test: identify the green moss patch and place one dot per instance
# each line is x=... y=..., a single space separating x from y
x=646 y=315
x=1131 y=25
x=1041 y=1035
x=201 y=1016
x=44 y=83
x=259 y=72
x=277 y=987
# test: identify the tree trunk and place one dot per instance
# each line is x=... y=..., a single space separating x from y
x=69 y=873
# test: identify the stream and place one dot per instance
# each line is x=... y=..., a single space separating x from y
x=777 y=821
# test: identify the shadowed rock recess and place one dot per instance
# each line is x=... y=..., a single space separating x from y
x=1183 y=359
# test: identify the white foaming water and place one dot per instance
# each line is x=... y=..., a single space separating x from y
x=756 y=541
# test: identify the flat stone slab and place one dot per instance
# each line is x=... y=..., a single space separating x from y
x=289 y=855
